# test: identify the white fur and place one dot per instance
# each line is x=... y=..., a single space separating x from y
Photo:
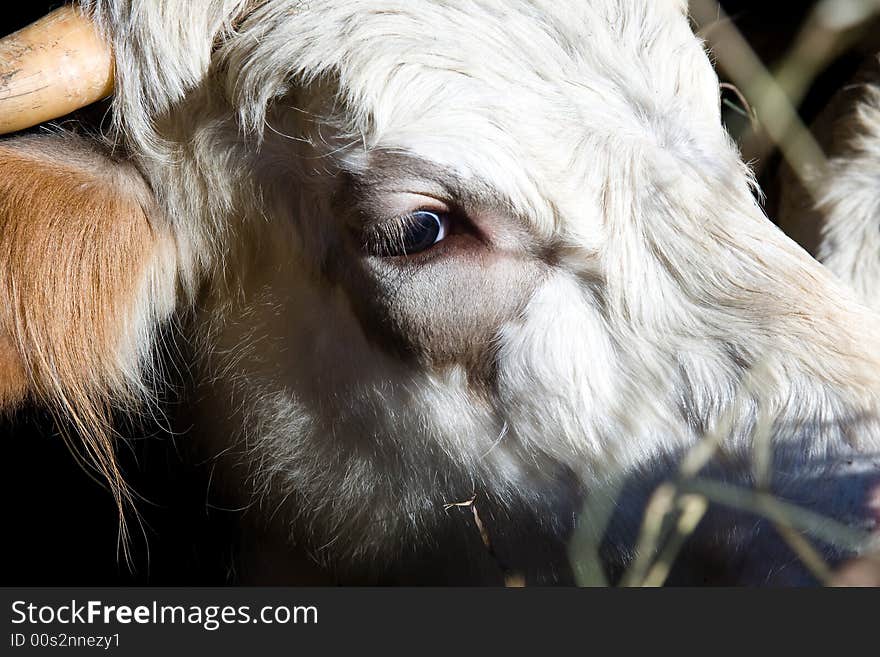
x=599 y=122
x=850 y=205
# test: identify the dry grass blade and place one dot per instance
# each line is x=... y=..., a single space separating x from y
x=779 y=511
x=766 y=95
x=583 y=549
x=659 y=507
x=692 y=509
x=511 y=579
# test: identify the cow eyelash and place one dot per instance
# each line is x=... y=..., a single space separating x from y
x=410 y=234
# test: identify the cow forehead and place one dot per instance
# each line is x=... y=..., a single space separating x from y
x=515 y=92
x=562 y=61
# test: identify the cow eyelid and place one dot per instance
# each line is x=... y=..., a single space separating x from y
x=409 y=234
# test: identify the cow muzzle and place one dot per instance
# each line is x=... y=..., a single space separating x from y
x=57 y=65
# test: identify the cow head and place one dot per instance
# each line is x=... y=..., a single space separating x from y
x=438 y=249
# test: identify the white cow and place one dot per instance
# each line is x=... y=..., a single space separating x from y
x=429 y=250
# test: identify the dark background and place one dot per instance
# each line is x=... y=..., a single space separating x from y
x=60 y=527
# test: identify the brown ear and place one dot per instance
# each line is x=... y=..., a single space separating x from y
x=87 y=273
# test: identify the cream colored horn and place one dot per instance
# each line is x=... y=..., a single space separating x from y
x=51 y=68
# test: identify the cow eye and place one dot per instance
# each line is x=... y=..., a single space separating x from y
x=411 y=234
x=422 y=230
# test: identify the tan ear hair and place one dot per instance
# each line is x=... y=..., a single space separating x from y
x=13 y=381
x=87 y=273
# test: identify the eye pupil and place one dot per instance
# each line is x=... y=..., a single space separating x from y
x=423 y=229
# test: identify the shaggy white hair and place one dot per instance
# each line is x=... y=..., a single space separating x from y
x=850 y=203
x=629 y=297
x=838 y=216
